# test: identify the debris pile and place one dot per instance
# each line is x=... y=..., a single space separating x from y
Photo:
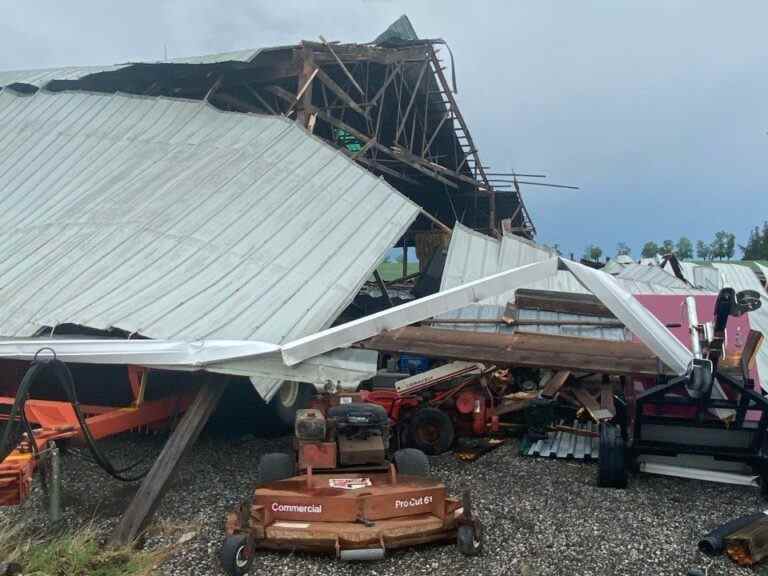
x=224 y=219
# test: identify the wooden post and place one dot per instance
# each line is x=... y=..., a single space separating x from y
x=383 y=288
x=304 y=79
x=405 y=258
x=152 y=488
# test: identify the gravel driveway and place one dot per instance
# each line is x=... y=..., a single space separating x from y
x=540 y=517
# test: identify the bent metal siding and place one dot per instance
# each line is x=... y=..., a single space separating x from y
x=174 y=220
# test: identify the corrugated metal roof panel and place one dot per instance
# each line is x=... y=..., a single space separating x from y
x=233 y=56
x=41 y=77
x=175 y=220
x=651 y=275
x=763 y=269
x=473 y=255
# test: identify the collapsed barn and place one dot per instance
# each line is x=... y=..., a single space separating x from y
x=226 y=215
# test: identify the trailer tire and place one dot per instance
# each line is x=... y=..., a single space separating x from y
x=411 y=462
x=611 y=465
x=289 y=399
x=234 y=555
x=431 y=431
x=469 y=539
x=276 y=466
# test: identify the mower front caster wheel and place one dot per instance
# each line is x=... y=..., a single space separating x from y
x=235 y=557
x=411 y=462
x=469 y=539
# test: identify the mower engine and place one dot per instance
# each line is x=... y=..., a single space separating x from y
x=353 y=434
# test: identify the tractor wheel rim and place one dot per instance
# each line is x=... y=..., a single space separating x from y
x=289 y=392
x=241 y=560
x=428 y=434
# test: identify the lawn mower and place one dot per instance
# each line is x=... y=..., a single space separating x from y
x=708 y=424
x=341 y=494
x=455 y=400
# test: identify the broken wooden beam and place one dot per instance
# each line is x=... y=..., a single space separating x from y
x=521 y=349
x=155 y=483
x=564 y=302
x=553 y=385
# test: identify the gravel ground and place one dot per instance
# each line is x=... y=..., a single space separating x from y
x=540 y=517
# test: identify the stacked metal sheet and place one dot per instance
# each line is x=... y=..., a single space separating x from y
x=568 y=445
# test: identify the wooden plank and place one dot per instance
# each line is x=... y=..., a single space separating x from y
x=383 y=288
x=339 y=91
x=520 y=349
x=261 y=100
x=386 y=83
x=306 y=75
x=590 y=404
x=565 y=302
x=152 y=488
x=751 y=346
x=365 y=138
x=343 y=66
x=553 y=385
x=412 y=100
x=606 y=395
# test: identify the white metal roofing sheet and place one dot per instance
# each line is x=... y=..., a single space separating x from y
x=175 y=220
x=41 y=77
x=651 y=274
x=472 y=255
x=762 y=268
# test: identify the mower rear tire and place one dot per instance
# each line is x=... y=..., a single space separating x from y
x=276 y=466
x=234 y=555
x=611 y=465
x=431 y=431
x=469 y=539
x=411 y=462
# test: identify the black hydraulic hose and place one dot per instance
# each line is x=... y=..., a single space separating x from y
x=6 y=447
x=67 y=383
x=713 y=543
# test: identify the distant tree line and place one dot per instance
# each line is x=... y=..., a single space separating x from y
x=722 y=246
x=757 y=245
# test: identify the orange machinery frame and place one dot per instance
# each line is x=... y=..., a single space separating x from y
x=57 y=420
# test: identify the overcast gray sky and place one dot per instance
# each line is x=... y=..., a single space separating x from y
x=657 y=109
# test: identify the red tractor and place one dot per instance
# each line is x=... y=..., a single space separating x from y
x=341 y=494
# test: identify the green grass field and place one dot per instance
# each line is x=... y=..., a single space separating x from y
x=394 y=270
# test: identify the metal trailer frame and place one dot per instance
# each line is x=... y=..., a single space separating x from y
x=734 y=440
x=57 y=421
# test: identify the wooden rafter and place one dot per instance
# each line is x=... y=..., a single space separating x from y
x=343 y=67
x=339 y=91
x=412 y=100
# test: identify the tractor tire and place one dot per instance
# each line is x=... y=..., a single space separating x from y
x=276 y=466
x=431 y=431
x=289 y=399
x=611 y=465
x=411 y=462
x=234 y=555
x=469 y=539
